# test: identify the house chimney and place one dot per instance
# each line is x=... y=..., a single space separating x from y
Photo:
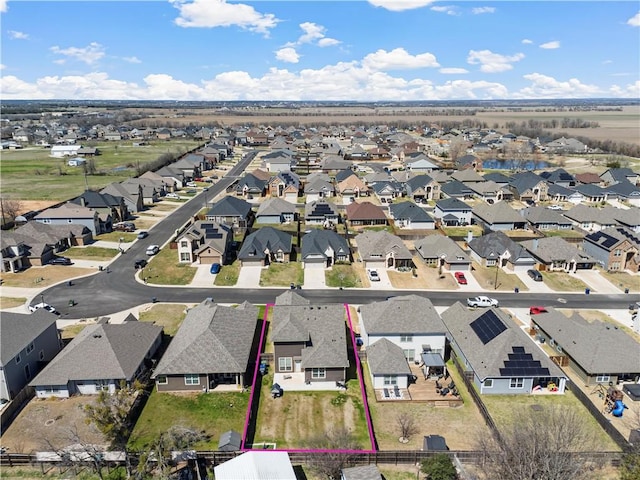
x=469 y=236
x=535 y=244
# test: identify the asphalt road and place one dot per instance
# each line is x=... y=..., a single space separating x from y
x=108 y=293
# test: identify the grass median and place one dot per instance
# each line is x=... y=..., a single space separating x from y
x=164 y=269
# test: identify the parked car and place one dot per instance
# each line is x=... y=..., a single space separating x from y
x=215 y=177
x=554 y=207
x=373 y=275
x=140 y=263
x=191 y=191
x=482 y=301
x=143 y=234
x=208 y=180
x=535 y=274
x=198 y=179
x=60 y=261
x=172 y=195
x=537 y=310
x=462 y=280
x=152 y=249
x=44 y=306
x=124 y=227
x=215 y=268
x=191 y=184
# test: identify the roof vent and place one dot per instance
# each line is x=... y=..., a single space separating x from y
x=97 y=336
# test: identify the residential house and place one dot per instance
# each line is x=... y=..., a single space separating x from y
x=617 y=175
x=252 y=184
x=318 y=188
x=310 y=342
x=555 y=254
x=615 y=249
x=626 y=192
x=387 y=191
x=469 y=162
x=589 y=178
x=72 y=214
x=231 y=211
x=628 y=218
x=566 y=145
x=388 y=365
x=14 y=254
x=59 y=237
x=591 y=193
x=214 y=348
x=591 y=219
x=597 y=352
x=455 y=189
x=489 y=191
x=59 y=151
x=559 y=177
x=190 y=168
x=496 y=248
x=26 y=344
x=324 y=248
x=131 y=194
x=100 y=358
x=497 y=177
x=321 y=212
x=420 y=163
x=541 y=218
x=422 y=188
x=382 y=250
x=498 y=216
x=286 y=185
x=204 y=242
x=257 y=465
x=452 y=212
x=365 y=213
x=528 y=187
x=162 y=184
x=105 y=204
x=409 y=216
x=151 y=190
x=441 y=251
x=265 y=246
x=350 y=186
x=173 y=176
x=497 y=355
x=278 y=161
x=276 y=210
x=467 y=177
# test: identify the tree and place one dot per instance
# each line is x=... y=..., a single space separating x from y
x=457 y=148
x=337 y=448
x=539 y=445
x=9 y=209
x=407 y=426
x=439 y=467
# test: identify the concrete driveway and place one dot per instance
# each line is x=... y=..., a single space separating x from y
x=249 y=276
x=596 y=282
x=532 y=285
x=384 y=283
x=472 y=284
x=314 y=278
x=203 y=277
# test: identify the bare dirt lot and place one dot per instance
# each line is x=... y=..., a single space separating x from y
x=52 y=423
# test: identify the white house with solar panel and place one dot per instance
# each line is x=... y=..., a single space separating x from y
x=498 y=355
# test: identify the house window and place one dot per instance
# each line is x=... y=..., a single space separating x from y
x=603 y=379
x=516 y=383
x=185 y=257
x=184 y=244
x=41 y=355
x=162 y=380
x=18 y=359
x=192 y=379
x=27 y=372
x=409 y=354
x=617 y=252
x=30 y=348
x=285 y=364
x=406 y=338
x=318 y=373
x=488 y=383
x=390 y=380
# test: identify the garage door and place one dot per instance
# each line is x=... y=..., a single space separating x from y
x=314 y=264
x=251 y=263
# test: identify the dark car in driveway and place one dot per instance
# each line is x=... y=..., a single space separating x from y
x=60 y=261
x=535 y=274
x=215 y=268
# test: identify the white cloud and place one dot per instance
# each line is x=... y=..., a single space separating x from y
x=492 y=62
x=13 y=35
x=550 y=45
x=219 y=13
x=453 y=71
x=630 y=91
x=526 y=41
x=635 y=20
x=544 y=86
x=89 y=54
x=312 y=31
x=132 y=59
x=328 y=42
x=398 y=59
x=481 y=10
x=3 y=6
x=607 y=62
x=400 y=5
x=448 y=9
x=288 y=55
x=2 y=66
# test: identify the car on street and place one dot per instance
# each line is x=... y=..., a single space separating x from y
x=462 y=280
x=215 y=177
x=215 y=268
x=535 y=274
x=143 y=234
x=140 y=263
x=152 y=249
x=60 y=261
x=537 y=310
x=482 y=301
x=373 y=275
x=44 y=306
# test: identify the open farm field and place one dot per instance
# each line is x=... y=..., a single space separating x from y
x=31 y=174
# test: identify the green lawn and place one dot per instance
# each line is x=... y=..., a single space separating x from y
x=282 y=275
x=214 y=413
x=623 y=280
x=342 y=276
x=463 y=231
x=563 y=282
x=486 y=276
x=168 y=316
x=164 y=269
x=20 y=169
x=91 y=253
x=228 y=275
x=116 y=236
x=563 y=233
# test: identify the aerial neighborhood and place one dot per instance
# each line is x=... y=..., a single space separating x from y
x=293 y=280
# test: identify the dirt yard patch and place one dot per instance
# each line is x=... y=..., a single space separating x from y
x=51 y=422
x=169 y=316
x=38 y=277
x=11 y=302
x=428 y=277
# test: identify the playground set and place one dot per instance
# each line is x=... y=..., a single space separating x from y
x=613 y=403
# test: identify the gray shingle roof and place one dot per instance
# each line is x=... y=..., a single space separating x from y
x=263 y=239
x=549 y=249
x=409 y=211
x=101 y=352
x=411 y=314
x=230 y=207
x=212 y=339
x=17 y=330
x=598 y=347
x=499 y=212
x=452 y=204
x=495 y=244
x=537 y=215
x=321 y=325
x=372 y=244
x=275 y=206
x=436 y=246
x=318 y=242
x=386 y=358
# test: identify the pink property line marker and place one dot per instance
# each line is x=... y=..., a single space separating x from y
x=360 y=379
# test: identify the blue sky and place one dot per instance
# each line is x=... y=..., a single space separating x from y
x=396 y=50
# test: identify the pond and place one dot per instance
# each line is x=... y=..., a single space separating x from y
x=500 y=164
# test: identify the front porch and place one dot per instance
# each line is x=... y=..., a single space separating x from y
x=295 y=382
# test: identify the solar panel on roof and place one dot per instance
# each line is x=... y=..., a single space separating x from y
x=488 y=326
x=522 y=364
